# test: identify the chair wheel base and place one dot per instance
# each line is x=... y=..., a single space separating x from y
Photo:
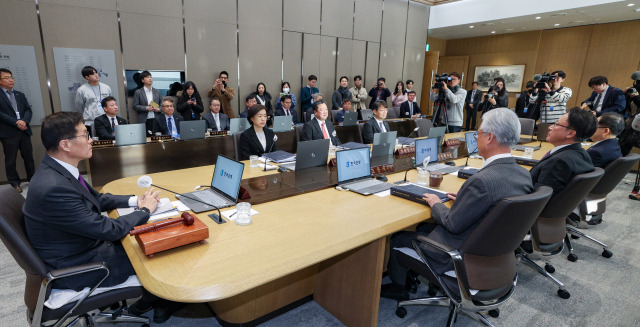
x=572 y=257
x=575 y=237
x=606 y=253
x=432 y=291
x=401 y=312
x=563 y=294
x=495 y=313
x=549 y=268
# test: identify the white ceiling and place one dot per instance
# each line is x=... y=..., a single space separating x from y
x=452 y=20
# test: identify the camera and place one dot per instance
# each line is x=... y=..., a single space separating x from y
x=543 y=78
x=490 y=94
x=224 y=83
x=440 y=79
x=631 y=90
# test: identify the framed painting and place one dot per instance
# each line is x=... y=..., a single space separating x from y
x=512 y=74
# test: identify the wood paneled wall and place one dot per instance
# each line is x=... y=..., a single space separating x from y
x=612 y=50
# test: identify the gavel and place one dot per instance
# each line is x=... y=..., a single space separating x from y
x=185 y=218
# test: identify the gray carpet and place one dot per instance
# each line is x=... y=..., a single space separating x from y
x=604 y=292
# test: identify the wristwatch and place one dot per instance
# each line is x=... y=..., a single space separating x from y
x=145 y=209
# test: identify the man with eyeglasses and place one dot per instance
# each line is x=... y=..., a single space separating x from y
x=224 y=93
x=567 y=158
x=15 y=132
x=605 y=147
x=167 y=123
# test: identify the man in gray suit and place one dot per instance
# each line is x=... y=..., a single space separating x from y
x=500 y=177
x=216 y=120
x=143 y=99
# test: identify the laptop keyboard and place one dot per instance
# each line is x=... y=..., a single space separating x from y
x=369 y=186
x=442 y=168
x=212 y=198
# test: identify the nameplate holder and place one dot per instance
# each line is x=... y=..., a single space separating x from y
x=383 y=169
x=102 y=143
x=445 y=156
x=156 y=138
x=219 y=133
x=333 y=162
x=452 y=142
x=406 y=150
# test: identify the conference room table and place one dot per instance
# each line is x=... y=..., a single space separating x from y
x=318 y=241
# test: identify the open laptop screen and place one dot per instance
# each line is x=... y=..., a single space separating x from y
x=353 y=163
x=227 y=176
x=426 y=148
x=472 y=142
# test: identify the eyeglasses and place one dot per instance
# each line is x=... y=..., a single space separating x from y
x=475 y=136
x=567 y=127
x=167 y=106
x=9 y=78
x=85 y=135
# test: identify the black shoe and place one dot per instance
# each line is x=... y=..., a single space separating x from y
x=526 y=246
x=573 y=217
x=394 y=291
x=595 y=220
x=139 y=308
x=163 y=312
x=633 y=196
x=412 y=282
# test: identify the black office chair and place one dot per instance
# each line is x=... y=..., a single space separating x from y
x=424 y=125
x=360 y=138
x=548 y=233
x=366 y=114
x=391 y=113
x=39 y=279
x=334 y=113
x=484 y=262
x=542 y=132
x=614 y=172
x=298 y=132
x=526 y=128
x=236 y=144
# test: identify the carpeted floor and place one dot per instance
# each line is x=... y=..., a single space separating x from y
x=604 y=292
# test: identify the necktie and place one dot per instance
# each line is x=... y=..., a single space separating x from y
x=546 y=154
x=81 y=180
x=411 y=108
x=113 y=126
x=12 y=98
x=169 y=126
x=381 y=127
x=286 y=112
x=217 y=118
x=324 y=132
x=596 y=104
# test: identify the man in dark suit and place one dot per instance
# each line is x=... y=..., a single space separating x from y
x=216 y=120
x=606 y=147
x=376 y=124
x=142 y=100
x=15 y=132
x=604 y=98
x=409 y=108
x=286 y=109
x=319 y=128
x=500 y=177
x=167 y=123
x=379 y=92
x=106 y=124
x=473 y=100
x=567 y=158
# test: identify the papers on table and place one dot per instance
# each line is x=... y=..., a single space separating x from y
x=231 y=214
x=165 y=209
x=279 y=156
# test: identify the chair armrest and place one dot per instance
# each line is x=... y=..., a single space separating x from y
x=436 y=245
x=81 y=269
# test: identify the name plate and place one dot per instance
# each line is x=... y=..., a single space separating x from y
x=102 y=143
x=452 y=142
x=406 y=150
x=333 y=162
x=445 y=156
x=218 y=133
x=382 y=169
x=156 y=138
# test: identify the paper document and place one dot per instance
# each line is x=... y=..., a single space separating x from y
x=231 y=214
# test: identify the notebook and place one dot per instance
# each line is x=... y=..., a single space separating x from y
x=384 y=143
x=282 y=123
x=354 y=172
x=350 y=119
x=192 y=129
x=310 y=154
x=130 y=134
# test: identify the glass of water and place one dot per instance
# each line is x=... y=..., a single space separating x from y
x=243 y=213
x=423 y=176
x=528 y=153
x=253 y=161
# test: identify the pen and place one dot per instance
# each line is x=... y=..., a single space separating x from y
x=231 y=215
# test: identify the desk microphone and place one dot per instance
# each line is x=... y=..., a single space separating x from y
x=334 y=134
x=466 y=163
x=145 y=181
x=405 y=139
x=275 y=138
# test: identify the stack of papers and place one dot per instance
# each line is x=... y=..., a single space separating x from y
x=165 y=209
x=280 y=156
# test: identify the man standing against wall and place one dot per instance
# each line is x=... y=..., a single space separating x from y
x=146 y=101
x=473 y=100
x=89 y=96
x=224 y=92
x=307 y=91
x=15 y=132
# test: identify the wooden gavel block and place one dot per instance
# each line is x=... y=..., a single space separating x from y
x=169 y=234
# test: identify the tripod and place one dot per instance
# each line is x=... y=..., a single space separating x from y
x=439 y=108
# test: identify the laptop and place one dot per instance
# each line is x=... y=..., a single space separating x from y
x=471 y=142
x=192 y=129
x=426 y=148
x=238 y=125
x=437 y=132
x=310 y=154
x=223 y=193
x=350 y=119
x=354 y=172
x=130 y=134
x=282 y=123
x=384 y=144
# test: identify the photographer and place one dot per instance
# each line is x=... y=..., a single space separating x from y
x=454 y=97
x=379 y=92
x=630 y=137
x=556 y=96
x=496 y=97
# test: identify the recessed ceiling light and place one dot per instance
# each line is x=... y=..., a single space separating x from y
x=538 y=17
x=471 y=26
x=631 y=5
x=493 y=32
x=556 y=24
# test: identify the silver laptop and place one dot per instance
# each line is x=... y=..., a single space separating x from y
x=310 y=154
x=238 y=125
x=130 y=134
x=384 y=144
x=225 y=186
x=354 y=172
x=350 y=119
x=192 y=129
x=282 y=123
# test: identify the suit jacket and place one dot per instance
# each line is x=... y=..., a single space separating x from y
x=305 y=97
x=65 y=227
x=250 y=145
x=140 y=103
x=614 y=101
x=476 y=198
x=211 y=123
x=294 y=114
x=103 y=126
x=160 y=124
x=371 y=127
x=558 y=168
x=404 y=109
x=312 y=131
x=8 y=117
x=475 y=101
x=373 y=93
x=604 y=152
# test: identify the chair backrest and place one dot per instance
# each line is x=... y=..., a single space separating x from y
x=334 y=113
x=14 y=237
x=236 y=144
x=396 y=110
x=360 y=126
x=424 y=125
x=488 y=251
x=391 y=113
x=526 y=126
x=298 y=132
x=550 y=226
x=366 y=114
x=614 y=172
x=543 y=131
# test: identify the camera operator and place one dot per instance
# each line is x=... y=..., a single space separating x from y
x=522 y=104
x=496 y=97
x=604 y=98
x=454 y=97
x=556 y=96
x=630 y=137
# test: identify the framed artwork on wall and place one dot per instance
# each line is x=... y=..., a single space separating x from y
x=512 y=74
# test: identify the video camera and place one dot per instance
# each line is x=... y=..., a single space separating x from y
x=440 y=79
x=543 y=78
x=490 y=94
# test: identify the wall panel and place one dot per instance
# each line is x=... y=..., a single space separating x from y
x=417 y=25
x=327 y=77
x=219 y=11
x=358 y=59
x=292 y=70
x=152 y=42
x=367 y=20
x=345 y=54
x=371 y=70
x=310 y=56
x=161 y=8
x=392 y=40
x=337 y=18
x=302 y=16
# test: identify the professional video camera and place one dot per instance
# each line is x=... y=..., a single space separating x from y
x=540 y=79
x=490 y=94
x=440 y=79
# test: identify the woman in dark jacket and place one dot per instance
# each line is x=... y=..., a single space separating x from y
x=190 y=103
x=264 y=98
x=256 y=139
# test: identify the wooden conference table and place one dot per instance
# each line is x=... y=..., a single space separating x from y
x=327 y=243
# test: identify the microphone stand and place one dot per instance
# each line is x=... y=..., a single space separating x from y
x=275 y=138
x=405 y=140
x=466 y=164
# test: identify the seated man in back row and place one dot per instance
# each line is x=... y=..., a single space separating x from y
x=105 y=125
x=606 y=148
x=376 y=124
x=499 y=178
